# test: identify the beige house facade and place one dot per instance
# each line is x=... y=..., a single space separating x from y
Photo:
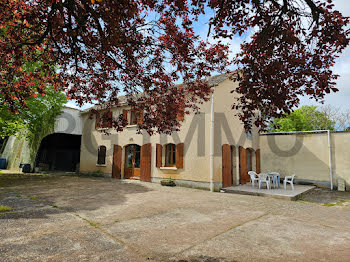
x=211 y=151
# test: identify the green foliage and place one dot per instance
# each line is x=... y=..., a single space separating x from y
x=4 y=208
x=10 y=123
x=36 y=118
x=306 y=118
x=35 y=121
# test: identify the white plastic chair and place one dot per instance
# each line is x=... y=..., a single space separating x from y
x=253 y=177
x=288 y=179
x=264 y=178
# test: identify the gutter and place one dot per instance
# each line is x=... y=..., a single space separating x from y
x=212 y=143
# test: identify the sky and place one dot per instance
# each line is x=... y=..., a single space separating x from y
x=340 y=99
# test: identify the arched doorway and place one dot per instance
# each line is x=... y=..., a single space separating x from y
x=132 y=162
x=250 y=159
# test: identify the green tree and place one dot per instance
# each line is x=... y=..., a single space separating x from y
x=306 y=118
x=35 y=121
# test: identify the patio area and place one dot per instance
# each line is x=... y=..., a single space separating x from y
x=279 y=193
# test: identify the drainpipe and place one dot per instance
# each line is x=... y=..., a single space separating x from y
x=330 y=158
x=212 y=143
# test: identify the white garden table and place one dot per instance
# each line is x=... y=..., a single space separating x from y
x=275 y=178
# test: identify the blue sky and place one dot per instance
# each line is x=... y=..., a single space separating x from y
x=340 y=99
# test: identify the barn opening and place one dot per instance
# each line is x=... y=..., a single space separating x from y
x=59 y=152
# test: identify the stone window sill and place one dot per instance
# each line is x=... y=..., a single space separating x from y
x=168 y=168
x=104 y=165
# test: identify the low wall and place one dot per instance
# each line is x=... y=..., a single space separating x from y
x=306 y=154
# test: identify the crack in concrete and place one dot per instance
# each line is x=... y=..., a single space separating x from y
x=101 y=229
x=223 y=232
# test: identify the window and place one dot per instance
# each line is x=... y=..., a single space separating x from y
x=174 y=155
x=101 y=155
x=133 y=118
x=104 y=120
x=170 y=155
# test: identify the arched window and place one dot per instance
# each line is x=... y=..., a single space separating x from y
x=170 y=155
x=101 y=157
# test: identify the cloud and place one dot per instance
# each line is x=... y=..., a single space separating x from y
x=72 y=104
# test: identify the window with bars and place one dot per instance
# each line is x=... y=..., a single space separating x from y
x=101 y=155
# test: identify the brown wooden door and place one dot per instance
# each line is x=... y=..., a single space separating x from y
x=226 y=166
x=243 y=174
x=132 y=161
x=257 y=156
x=117 y=162
x=146 y=154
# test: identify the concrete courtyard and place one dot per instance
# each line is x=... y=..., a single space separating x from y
x=71 y=218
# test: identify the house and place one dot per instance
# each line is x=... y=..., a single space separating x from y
x=212 y=149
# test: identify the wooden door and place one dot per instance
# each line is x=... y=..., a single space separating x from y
x=243 y=174
x=226 y=166
x=132 y=161
x=117 y=162
x=257 y=156
x=146 y=154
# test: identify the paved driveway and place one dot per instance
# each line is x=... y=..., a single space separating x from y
x=65 y=218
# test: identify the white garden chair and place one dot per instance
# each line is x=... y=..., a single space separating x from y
x=253 y=177
x=264 y=178
x=289 y=180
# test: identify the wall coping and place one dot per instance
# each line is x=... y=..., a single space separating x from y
x=301 y=132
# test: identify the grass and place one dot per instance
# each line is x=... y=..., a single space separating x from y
x=5 y=208
x=302 y=201
x=335 y=204
x=34 y=197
